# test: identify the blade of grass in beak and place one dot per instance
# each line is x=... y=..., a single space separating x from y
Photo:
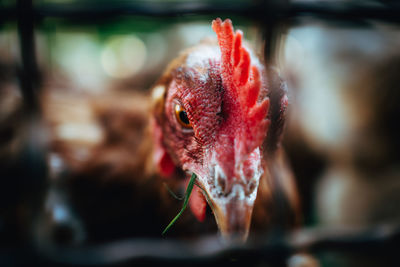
x=188 y=192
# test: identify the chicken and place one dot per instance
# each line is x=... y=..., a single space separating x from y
x=212 y=111
x=204 y=121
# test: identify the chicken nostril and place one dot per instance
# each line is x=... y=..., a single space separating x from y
x=225 y=188
x=222 y=185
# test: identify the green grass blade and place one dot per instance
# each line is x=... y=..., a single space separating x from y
x=189 y=189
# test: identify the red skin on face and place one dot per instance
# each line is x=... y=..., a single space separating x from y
x=220 y=94
x=197 y=203
x=246 y=124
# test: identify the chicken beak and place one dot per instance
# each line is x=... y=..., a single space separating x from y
x=233 y=216
x=231 y=197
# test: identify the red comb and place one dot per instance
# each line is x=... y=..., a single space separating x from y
x=242 y=83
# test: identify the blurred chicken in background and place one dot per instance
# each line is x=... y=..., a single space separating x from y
x=343 y=133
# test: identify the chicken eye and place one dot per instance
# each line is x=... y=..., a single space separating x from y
x=181 y=116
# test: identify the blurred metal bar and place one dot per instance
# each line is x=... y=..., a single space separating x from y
x=87 y=12
x=28 y=70
x=255 y=10
x=31 y=176
x=345 y=10
x=380 y=239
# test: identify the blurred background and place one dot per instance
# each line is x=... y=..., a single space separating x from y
x=74 y=106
